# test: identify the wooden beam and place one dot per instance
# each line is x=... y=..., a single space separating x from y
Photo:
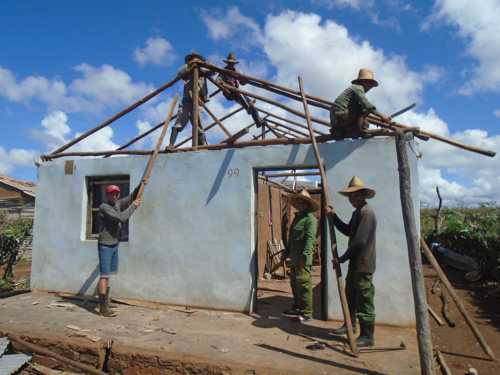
x=417 y=276
x=196 y=108
x=333 y=240
x=288 y=127
x=211 y=125
x=117 y=116
x=215 y=119
x=267 y=100
x=291 y=174
x=442 y=276
x=288 y=120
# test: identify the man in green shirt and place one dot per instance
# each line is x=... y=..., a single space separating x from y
x=300 y=250
x=361 y=255
x=350 y=109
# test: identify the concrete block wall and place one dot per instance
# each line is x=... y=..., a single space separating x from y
x=192 y=242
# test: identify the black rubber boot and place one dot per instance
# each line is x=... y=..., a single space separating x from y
x=104 y=307
x=343 y=330
x=366 y=338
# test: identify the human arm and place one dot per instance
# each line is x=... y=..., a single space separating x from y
x=310 y=229
x=344 y=228
x=108 y=212
x=364 y=231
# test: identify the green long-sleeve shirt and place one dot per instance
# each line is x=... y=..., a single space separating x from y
x=352 y=103
x=302 y=238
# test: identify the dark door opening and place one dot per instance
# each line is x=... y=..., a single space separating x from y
x=274 y=215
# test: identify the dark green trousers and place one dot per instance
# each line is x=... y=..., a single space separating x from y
x=360 y=296
x=301 y=282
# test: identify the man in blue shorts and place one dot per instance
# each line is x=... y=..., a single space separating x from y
x=112 y=214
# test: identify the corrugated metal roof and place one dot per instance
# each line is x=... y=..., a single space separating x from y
x=10 y=363
x=4 y=342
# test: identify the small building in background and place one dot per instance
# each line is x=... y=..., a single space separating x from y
x=17 y=198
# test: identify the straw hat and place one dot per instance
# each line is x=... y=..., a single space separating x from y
x=231 y=59
x=193 y=55
x=305 y=197
x=365 y=75
x=356 y=184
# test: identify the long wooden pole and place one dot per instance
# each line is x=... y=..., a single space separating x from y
x=288 y=127
x=418 y=132
x=216 y=120
x=219 y=146
x=288 y=120
x=267 y=100
x=196 y=106
x=117 y=116
x=33 y=348
x=417 y=277
x=152 y=159
x=333 y=240
x=442 y=276
x=211 y=125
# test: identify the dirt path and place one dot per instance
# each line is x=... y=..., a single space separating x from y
x=458 y=345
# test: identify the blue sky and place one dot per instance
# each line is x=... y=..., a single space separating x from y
x=67 y=66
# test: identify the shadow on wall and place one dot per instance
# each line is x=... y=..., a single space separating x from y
x=220 y=175
x=90 y=280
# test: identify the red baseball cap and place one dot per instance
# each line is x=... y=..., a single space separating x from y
x=112 y=189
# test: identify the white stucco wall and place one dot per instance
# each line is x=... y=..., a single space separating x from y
x=192 y=240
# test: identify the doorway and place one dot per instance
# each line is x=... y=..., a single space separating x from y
x=274 y=215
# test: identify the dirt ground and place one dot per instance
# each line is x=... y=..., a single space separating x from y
x=459 y=345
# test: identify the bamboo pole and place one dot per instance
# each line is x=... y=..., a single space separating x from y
x=152 y=159
x=196 y=108
x=219 y=146
x=267 y=100
x=117 y=116
x=441 y=138
x=211 y=125
x=216 y=120
x=333 y=240
x=288 y=120
x=442 y=276
x=417 y=277
x=33 y=348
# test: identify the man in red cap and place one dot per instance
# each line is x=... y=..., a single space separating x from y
x=112 y=214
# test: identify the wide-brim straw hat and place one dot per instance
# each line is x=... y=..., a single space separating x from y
x=231 y=59
x=193 y=55
x=365 y=75
x=356 y=184
x=305 y=197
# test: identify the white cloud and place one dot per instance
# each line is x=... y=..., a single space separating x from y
x=157 y=51
x=9 y=159
x=355 y=4
x=497 y=113
x=477 y=23
x=100 y=141
x=55 y=129
x=97 y=88
x=224 y=26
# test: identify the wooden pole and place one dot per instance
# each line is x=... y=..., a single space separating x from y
x=216 y=120
x=33 y=348
x=442 y=276
x=219 y=146
x=288 y=127
x=417 y=276
x=333 y=240
x=211 y=125
x=435 y=316
x=196 y=109
x=267 y=100
x=442 y=363
x=152 y=159
x=421 y=133
x=117 y=116
x=288 y=120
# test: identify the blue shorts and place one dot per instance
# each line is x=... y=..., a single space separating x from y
x=108 y=260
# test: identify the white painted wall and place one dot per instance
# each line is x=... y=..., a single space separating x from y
x=192 y=240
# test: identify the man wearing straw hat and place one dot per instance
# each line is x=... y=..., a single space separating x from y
x=300 y=249
x=230 y=80
x=350 y=109
x=361 y=255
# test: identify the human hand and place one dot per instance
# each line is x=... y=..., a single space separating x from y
x=335 y=263
x=330 y=210
x=137 y=202
x=386 y=118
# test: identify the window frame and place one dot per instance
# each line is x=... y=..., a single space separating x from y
x=90 y=182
